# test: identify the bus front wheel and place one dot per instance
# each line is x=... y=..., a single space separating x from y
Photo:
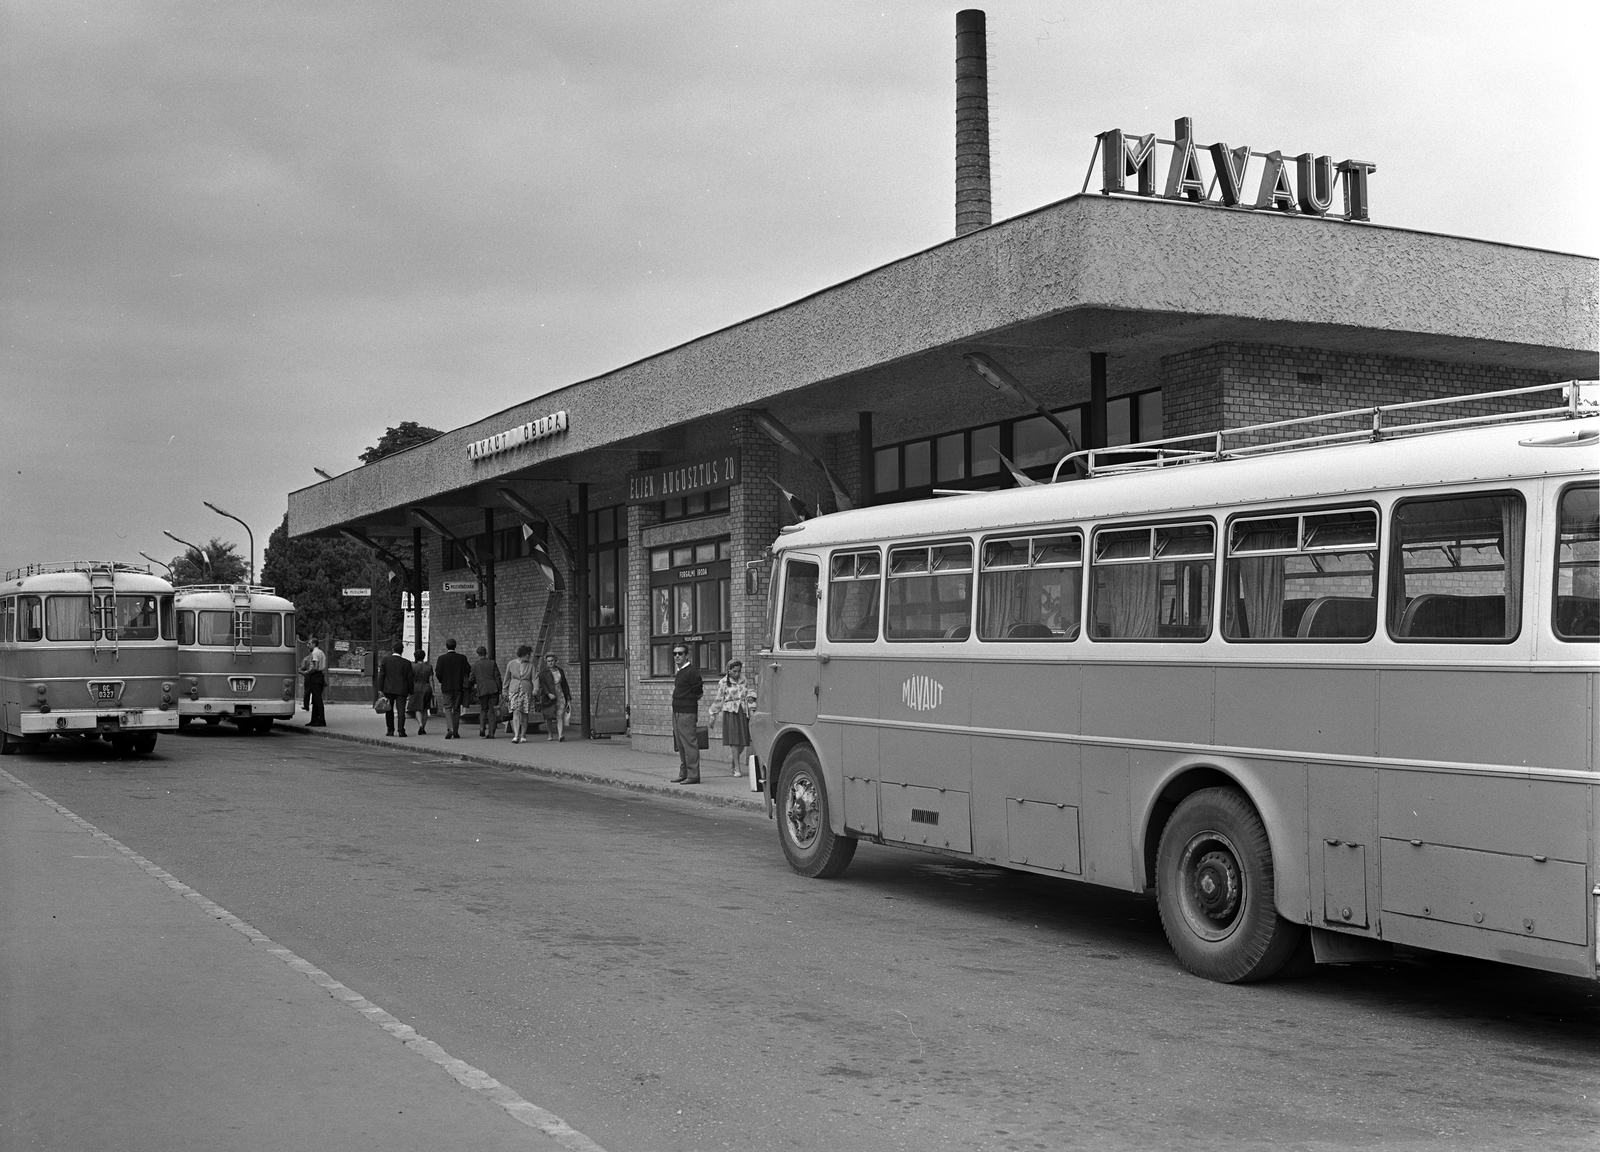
x=809 y=841
x=1214 y=889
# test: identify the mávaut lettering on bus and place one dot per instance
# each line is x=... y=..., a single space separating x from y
x=515 y=437
x=1122 y=156
x=653 y=484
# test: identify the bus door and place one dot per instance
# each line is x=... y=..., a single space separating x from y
x=793 y=668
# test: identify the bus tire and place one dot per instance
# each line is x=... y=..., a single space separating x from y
x=143 y=744
x=1214 y=889
x=212 y=721
x=9 y=744
x=809 y=842
x=263 y=726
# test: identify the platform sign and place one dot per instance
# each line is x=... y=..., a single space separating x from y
x=358 y=591
x=460 y=586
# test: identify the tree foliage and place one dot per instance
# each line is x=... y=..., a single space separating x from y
x=407 y=434
x=215 y=562
x=313 y=572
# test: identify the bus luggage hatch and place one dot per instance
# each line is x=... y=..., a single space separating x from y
x=1043 y=835
x=937 y=817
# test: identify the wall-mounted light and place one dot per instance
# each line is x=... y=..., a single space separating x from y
x=1008 y=385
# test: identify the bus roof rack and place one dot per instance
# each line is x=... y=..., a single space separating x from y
x=1201 y=447
x=75 y=566
x=231 y=589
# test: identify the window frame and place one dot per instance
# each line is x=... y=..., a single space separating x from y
x=789 y=561
x=1555 y=562
x=1299 y=513
x=1395 y=569
x=1092 y=581
x=971 y=572
x=879 y=578
x=1031 y=535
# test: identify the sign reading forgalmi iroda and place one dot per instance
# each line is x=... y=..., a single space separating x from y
x=518 y=436
x=1122 y=156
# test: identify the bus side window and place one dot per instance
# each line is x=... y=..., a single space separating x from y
x=30 y=618
x=853 y=580
x=930 y=593
x=797 y=627
x=1154 y=583
x=1455 y=572
x=1031 y=588
x=8 y=621
x=1577 y=600
x=168 y=627
x=1302 y=576
x=288 y=630
x=186 y=628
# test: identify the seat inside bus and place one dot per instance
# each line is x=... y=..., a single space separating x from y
x=1338 y=618
x=1437 y=615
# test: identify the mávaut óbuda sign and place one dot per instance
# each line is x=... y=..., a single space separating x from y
x=1311 y=193
x=526 y=433
x=654 y=484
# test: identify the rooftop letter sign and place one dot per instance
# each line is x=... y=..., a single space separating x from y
x=1310 y=192
x=516 y=437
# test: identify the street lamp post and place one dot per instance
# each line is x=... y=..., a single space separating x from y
x=247 y=532
x=163 y=563
x=199 y=551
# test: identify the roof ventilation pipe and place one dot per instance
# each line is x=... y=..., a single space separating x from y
x=972 y=122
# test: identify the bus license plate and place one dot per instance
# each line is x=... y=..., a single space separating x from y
x=104 y=691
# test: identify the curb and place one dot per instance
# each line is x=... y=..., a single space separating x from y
x=754 y=802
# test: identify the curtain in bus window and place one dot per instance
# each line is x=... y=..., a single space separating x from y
x=1458 y=568
x=69 y=618
x=186 y=628
x=1577 y=605
x=797 y=628
x=137 y=618
x=216 y=629
x=168 y=627
x=853 y=594
x=266 y=629
x=1129 y=601
x=1030 y=604
x=8 y=621
x=1257 y=613
x=290 y=637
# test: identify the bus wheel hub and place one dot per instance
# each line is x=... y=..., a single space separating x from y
x=1217 y=885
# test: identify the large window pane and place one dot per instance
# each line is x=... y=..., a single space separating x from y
x=1577 y=606
x=216 y=629
x=1139 y=599
x=929 y=593
x=1031 y=589
x=186 y=628
x=886 y=470
x=661 y=611
x=919 y=464
x=986 y=450
x=708 y=607
x=1150 y=415
x=1037 y=442
x=266 y=629
x=1119 y=421
x=138 y=618
x=1286 y=580
x=1456 y=569
x=69 y=618
x=797 y=628
x=683 y=609
x=952 y=457
x=30 y=619
x=853 y=596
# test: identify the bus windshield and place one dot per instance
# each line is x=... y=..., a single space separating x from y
x=69 y=618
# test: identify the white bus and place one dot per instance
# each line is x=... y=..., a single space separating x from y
x=1348 y=687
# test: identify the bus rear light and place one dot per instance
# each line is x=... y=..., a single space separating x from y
x=288 y=687
x=61 y=721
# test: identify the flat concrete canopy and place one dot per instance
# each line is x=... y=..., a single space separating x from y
x=1138 y=279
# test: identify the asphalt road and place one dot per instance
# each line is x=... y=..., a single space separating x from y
x=654 y=973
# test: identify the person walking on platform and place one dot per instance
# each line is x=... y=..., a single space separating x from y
x=687 y=688
x=422 y=691
x=733 y=700
x=519 y=690
x=553 y=696
x=452 y=673
x=315 y=667
x=395 y=681
x=485 y=685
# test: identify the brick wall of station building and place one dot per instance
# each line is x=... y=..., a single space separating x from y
x=1234 y=385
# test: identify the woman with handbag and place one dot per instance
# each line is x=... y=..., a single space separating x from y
x=733 y=699
x=519 y=691
x=421 y=691
x=553 y=696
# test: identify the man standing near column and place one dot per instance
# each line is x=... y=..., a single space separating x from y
x=687 y=688
x=452 y=673
x=315 y=667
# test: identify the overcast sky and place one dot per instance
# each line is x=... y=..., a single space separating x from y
x=239 y=240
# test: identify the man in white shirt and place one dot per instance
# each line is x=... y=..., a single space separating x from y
x=314 y=666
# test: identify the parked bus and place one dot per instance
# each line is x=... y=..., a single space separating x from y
x=1341 y=686
x=236 y=656
x=86 y=650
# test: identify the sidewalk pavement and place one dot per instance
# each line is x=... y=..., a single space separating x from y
x=136 y=1014
x=610 y=762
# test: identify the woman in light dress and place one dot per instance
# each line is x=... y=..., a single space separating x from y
x=519 y=690
x=733 y=699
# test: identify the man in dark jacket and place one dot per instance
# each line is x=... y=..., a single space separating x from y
x=687 y=688
x=395 y=681
x=485 y=685
x=453 y=671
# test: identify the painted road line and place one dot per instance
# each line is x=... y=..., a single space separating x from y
x=463 y=1073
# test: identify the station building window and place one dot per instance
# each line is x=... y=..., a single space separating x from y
x=508 y=544
x=696 y=504
x=971 y=458
x=608 y=583
x=691 y=602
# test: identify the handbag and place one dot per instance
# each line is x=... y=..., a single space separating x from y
x=702 y=738
x=381 y=705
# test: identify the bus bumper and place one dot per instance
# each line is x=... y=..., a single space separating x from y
x=233 y=706
x=122 y=720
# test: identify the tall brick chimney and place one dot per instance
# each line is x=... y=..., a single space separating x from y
x=972 y=122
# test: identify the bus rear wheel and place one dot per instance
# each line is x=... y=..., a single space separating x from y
x=143 y=744
x=809 y=842
x=184 y=722
x=1214 y=889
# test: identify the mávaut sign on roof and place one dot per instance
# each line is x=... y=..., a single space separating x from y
x=652 y=484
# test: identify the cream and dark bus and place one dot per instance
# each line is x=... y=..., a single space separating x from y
x=1343 y=687
x=236 y=656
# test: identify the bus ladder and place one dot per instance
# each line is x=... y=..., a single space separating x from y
x=547 y=625
x=103 y=601
x=244 y=635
